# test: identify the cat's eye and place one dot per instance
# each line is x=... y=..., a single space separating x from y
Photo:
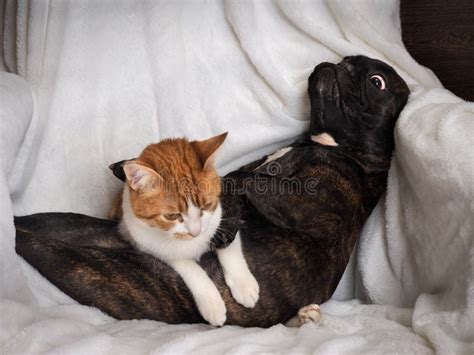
x=378 y=81
x=173 y=216
x=208 y=206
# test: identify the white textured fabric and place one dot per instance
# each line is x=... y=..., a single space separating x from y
x=105 y=78
x=418 y=245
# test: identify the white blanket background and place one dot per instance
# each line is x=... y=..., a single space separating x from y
x=101 y=79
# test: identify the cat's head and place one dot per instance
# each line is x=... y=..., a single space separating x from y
x=174 y=186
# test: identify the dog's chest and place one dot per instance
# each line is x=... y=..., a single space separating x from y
x=288 y=161
x=275 y=156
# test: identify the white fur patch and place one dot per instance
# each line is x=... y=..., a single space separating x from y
x=192 y=219
x=207 y=297
x=277 y=155
x=243 y=285
x=324 y=139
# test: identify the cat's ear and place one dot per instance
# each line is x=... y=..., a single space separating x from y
x=141 y=177
x=207 y=149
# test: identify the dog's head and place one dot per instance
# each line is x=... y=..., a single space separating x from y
x=355 y=104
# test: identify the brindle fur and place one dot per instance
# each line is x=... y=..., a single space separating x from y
x=297 y=245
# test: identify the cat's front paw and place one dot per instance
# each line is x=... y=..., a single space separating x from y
x=212 y=309
x=244 y=288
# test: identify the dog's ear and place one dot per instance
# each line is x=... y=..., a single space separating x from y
x=117 y=169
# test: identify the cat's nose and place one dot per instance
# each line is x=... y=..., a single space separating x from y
x=194 y=228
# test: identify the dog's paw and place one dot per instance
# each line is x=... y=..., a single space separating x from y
x=244 y=288
x=309 y=313
x=212 y=308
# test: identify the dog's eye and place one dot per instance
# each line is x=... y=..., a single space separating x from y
x=378 y=81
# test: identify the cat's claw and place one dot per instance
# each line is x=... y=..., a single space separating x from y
x=213 y=310
x=244 y=289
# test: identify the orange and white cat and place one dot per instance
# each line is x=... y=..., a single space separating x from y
x=171 y=210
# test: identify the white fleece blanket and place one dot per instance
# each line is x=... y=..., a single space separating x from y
x=104 y=78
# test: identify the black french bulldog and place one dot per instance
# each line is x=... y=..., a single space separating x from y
x=297 y=242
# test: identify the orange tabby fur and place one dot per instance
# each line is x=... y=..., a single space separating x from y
x=187 y=174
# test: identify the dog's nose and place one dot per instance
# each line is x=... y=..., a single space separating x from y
x=327 y=75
